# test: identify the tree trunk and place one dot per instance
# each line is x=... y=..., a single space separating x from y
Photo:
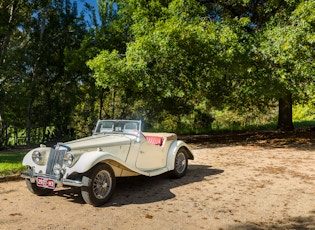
x=285 y=113
x=113 y=103
x=44 y=138
x=6 y=40
x=28 y=122
x=1 y=131
x=101 y=103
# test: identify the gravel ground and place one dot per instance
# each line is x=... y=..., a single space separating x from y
x=261 y=184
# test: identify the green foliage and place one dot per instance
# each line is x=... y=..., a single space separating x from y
x=303 y=113
x=177 y=53
x=288 y=50
x=45 y=69
x=178 y=57
x=227 y=119
x=108 y=69
x=178 y=65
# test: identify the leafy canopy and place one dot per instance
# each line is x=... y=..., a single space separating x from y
x=176 y=51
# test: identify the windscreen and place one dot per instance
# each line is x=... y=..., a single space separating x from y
x=118 y=126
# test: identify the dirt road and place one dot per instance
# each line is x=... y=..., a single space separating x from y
x=254 y=186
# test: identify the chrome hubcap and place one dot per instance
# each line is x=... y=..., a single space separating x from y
x=180 y=162
x=102 y=184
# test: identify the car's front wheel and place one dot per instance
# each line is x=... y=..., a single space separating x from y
x=180 y=164
x=101 y=186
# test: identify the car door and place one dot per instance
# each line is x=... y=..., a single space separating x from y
x=150 y=157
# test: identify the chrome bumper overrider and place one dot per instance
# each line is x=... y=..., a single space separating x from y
x=60 y=182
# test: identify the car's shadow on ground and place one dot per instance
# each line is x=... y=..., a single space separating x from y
x=142 y=189
x=139 y=190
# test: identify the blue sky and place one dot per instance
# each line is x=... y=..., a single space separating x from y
x=82 y=2
x=92 y=2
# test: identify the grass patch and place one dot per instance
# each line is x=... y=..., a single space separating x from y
x=11 y=163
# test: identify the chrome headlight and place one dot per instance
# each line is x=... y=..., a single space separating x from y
x=68 y=159
x=37 y=157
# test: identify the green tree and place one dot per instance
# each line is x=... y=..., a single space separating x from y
x=177 y=55
x=287 y=49
x=37 y=77
x=278 y=66
x=12 y=16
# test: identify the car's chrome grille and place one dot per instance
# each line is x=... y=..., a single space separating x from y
x=55 y=157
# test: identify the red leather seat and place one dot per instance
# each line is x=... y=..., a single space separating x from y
x=155 y=140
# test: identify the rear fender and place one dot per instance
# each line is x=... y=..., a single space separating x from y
x=175 y=146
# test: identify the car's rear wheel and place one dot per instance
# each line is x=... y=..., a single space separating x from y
x=101 y=187
x=33 y=188
x=180 y=164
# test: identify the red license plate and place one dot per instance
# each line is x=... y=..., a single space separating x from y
x=45 y=183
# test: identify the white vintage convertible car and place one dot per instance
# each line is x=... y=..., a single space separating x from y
x=117 y=148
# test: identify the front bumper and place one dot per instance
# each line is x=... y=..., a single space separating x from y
x=60 y=182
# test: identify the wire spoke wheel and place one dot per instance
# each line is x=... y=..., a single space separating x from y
x=180 y=164
x=102 y=186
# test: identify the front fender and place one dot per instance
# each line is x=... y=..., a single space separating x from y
x=90 y=159
x=175 y=146
x=28 y=161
